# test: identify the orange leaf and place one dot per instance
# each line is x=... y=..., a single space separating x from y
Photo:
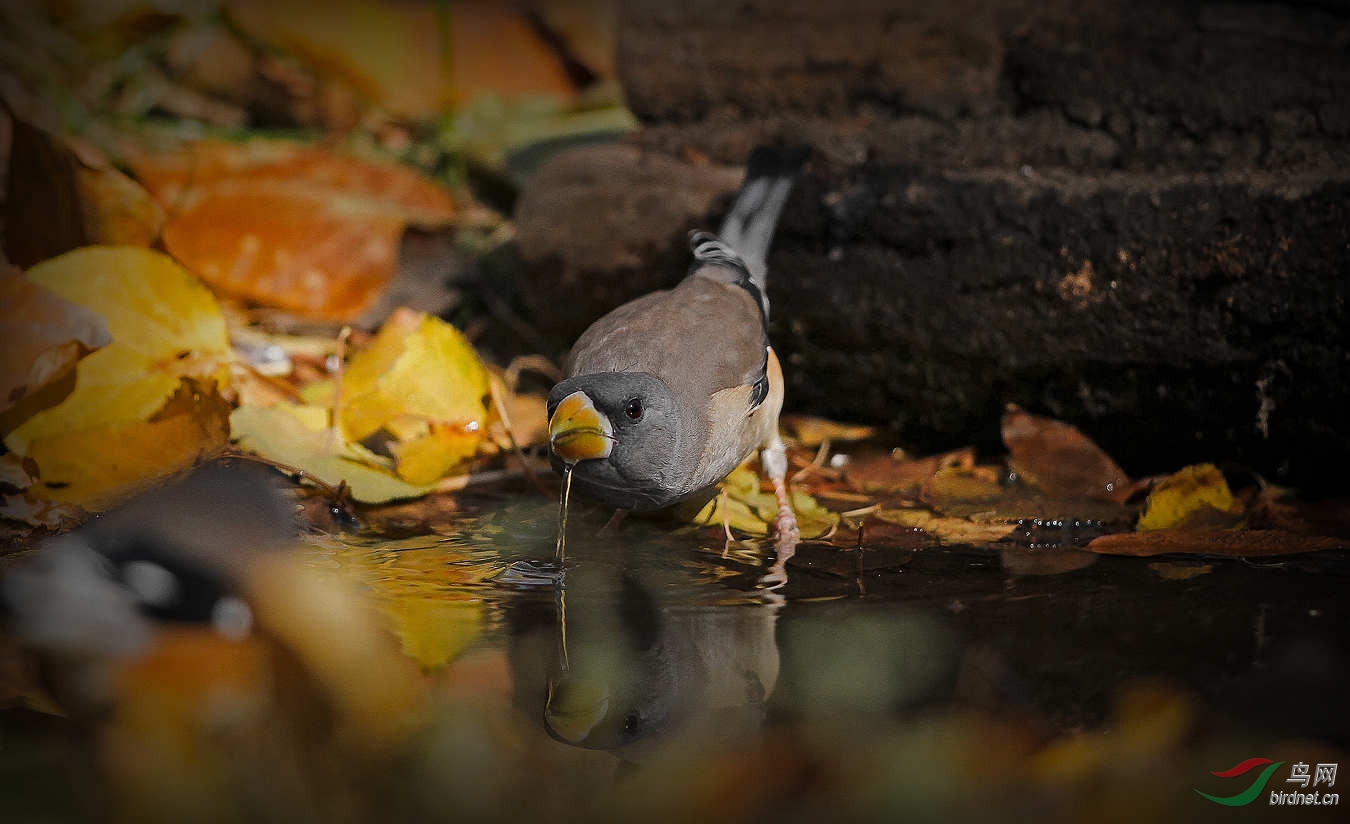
x=290 y=248
x=288 y=225
x=180 y=178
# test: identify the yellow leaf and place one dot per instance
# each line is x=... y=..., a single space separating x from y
x=416 y=365
x=96 y=467
x=165 y=326
x=1198 y=491
x=810 y=431
x=427 y=459
x=751 y=511
x=298 y=436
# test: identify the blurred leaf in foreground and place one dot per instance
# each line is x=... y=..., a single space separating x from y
x=168 y=341
x=60 y=195
x=288 y=225
x=100 y=466
x=43 y=336
x=414 y=59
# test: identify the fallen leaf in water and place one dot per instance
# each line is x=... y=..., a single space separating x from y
x=43 y=335
x=948 y=530
x=1196 y=496
x=299 y=436
x=289 y=225
x=1219 y=542
x=61 y=196
x=1060 y=460
x=750 y=510
x=1170 y=571
x=810 y=431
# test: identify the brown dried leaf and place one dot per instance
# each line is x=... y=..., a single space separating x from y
x=1060 y=460
x=43 y=335
x=1239 y=543
x=886 y=474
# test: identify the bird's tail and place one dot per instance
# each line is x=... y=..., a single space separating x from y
x=748 y=229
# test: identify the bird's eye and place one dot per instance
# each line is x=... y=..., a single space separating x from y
x=633 y=409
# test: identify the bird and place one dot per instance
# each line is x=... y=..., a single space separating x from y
x=667 y=394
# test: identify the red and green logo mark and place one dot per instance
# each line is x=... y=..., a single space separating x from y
x=1250 y=794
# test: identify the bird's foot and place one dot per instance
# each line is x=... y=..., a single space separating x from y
x=786 y=536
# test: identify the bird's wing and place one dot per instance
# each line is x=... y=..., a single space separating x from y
x=701 y=337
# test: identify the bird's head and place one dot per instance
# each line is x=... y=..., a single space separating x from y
x=620 y=433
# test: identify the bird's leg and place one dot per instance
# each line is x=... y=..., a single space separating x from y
x=722 y=501
x=612 y=525
x=773 y=458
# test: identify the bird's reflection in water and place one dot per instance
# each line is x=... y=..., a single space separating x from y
x=618 y=662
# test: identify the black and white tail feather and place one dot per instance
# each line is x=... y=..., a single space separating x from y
x=742 y=244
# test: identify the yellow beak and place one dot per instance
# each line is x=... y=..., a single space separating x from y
x=578 y=432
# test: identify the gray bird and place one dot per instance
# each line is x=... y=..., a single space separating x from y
x=667 y=394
